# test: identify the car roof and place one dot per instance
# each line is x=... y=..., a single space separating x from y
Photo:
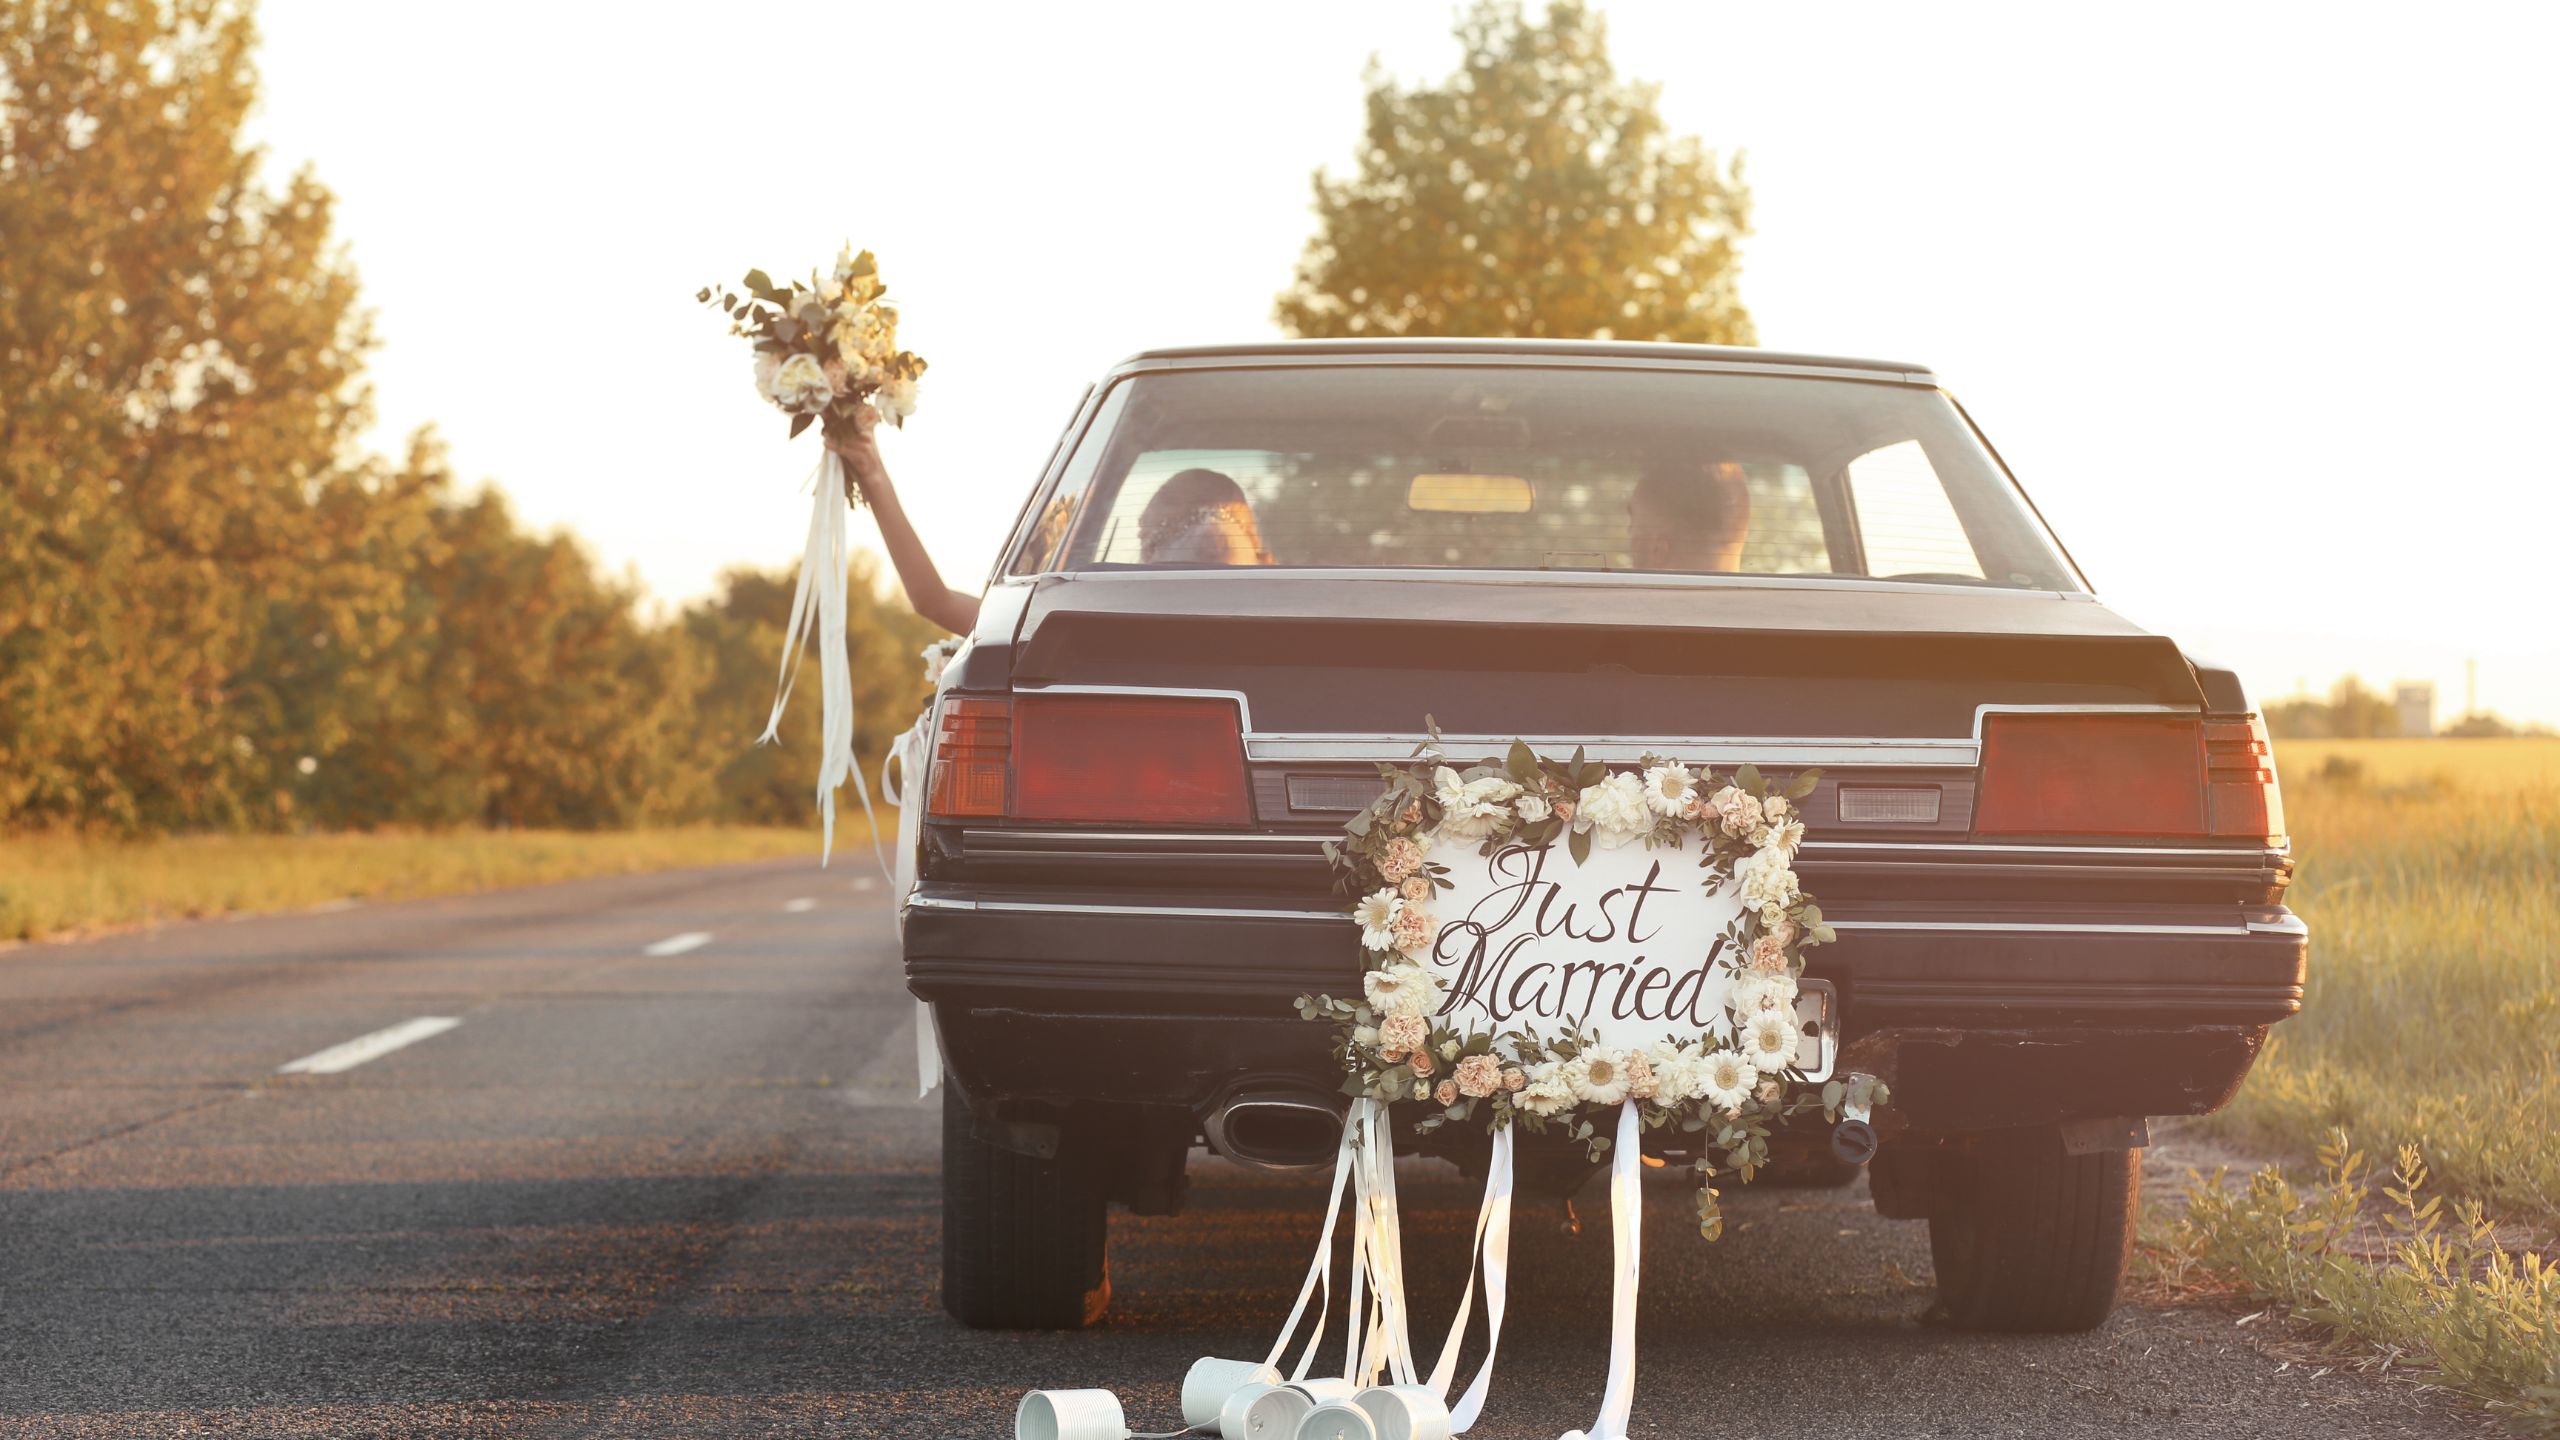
x=1718 y=357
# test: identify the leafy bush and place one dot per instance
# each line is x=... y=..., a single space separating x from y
x=2485 y=1321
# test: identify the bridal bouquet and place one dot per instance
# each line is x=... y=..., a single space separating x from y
x=827 y=348
x=824 y=352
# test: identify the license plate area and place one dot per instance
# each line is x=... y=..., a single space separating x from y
x=1817 y=1013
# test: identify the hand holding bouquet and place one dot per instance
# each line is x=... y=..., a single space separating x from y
x=826 y=350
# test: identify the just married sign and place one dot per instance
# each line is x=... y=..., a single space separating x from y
x=1626 y=947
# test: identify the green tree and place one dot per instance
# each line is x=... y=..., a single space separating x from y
x=179 y=358
x=739 y=634
x=1534 y=193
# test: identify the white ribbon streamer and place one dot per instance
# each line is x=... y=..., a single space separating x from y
x=1492 y=1253
x=1626 y=1232
x=818 y=603
x=1321 y=1271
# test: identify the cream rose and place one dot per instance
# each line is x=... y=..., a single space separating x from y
x=1614 y=811
x=1470 y=809
x=800 y=386
x=1415 y=889
x=895 y=399
x=1532 y=808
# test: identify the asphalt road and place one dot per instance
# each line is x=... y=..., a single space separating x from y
x=692 y=1193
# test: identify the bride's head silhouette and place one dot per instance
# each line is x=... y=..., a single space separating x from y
x=1200 y=517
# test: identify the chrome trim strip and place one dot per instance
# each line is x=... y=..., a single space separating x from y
x=1244 y=707
x=1216 y=840
x=2006 y=927
x=1967 y=847
x=2290 y=925
x=1981 y=712
x=1698 y=749
x=1182 y=912
x=1194 y=839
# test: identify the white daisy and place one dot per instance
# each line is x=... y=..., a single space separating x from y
x=1596 y=1077
x=1784 y=838
x=1401 y=990
x=1727 y=1078
x=1668 y=788
x=1377 y=916
x=1546 y=1093
x=1770 y=1038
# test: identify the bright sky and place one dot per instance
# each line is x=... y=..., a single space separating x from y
x=2257 y=300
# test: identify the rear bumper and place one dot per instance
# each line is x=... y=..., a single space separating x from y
x=1980 y=1017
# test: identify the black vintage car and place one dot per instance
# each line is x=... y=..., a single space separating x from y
x=2049 y=840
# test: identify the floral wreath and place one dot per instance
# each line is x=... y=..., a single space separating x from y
x=1731 y=1086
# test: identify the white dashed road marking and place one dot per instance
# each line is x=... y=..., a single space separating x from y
x=678 y=944
x=801 y=906
x=370 y=1047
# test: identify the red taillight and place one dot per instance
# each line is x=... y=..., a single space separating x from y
x=1161 y=759
x=2240 y=780
x=972 y=750
x=2092 y=775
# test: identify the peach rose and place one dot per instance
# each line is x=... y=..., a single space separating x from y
x=1448 y=1092
x=1784 y=932
x=1401 y=858
x=1639 y=1073
x=1513 y=1080
x=1478 y=1076
x=1404 y=1032
x=1413 y=931
x=1767 y=954
x=1416 y=889
x=1421 y=1061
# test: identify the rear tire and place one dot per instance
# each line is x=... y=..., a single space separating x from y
x=1023 y=1239
x=2027 y=1238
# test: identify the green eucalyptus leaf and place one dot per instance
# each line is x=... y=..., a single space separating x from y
x=1579 y=846
x=1804 y=784
x=1748 y=777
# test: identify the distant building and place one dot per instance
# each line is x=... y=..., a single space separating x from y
x=2416 y=706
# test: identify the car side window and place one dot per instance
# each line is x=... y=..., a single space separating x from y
x=1904 y=517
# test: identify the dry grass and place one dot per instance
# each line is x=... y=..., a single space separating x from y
x=53 y=885
x=2430 y=877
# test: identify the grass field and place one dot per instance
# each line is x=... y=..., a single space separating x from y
x=52 y=885
x=2430 y=877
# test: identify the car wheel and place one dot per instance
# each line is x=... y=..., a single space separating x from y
x=1023 y=1239
x=2026 y=1237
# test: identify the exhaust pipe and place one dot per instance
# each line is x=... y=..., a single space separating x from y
x=1276 y=1130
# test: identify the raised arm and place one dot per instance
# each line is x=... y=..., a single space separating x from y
x=953 y=610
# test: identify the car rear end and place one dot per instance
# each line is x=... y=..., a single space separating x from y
x=2050 y=844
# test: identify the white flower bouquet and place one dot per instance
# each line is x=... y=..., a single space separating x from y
x=825 y=352
x=825 y=349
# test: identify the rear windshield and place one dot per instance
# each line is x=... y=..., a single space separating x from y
x=1487 y=468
